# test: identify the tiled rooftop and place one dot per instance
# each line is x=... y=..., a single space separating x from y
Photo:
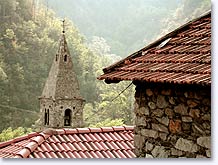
x=105 y=142
x=182 y=57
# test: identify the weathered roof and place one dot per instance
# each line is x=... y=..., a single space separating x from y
x=182 y=57
x=105 y=142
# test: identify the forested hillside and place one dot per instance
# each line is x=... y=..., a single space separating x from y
x=128 y=25
x=97 y=32
x=29 y=37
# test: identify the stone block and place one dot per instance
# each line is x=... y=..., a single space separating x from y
x=139 y=141
x=176 y=152
x=137 y=152
x=182 y=99
x=166 y=92
x=172 y=138
x=204 y=141
x=206 y=117
x=151 y=105
x=206 y=125
x=181 y=109
x=186 y=94
x=144 y=110
x=149 y=92
x=192 y=103
x=175 y=126
x=160 y=152
x=194 y=113
x=186 y=126
x=141 y=121
x=136 y=107
x=163 y=120
x=169 y=112
x=206 y=101
x=148 y=146
x=160 y=127
x=161 y=102
x=163 y=136
x=172 y=100
x=149 y=133
x=186 y=145
x=158 y=112
x=148 y=156
x=198 y=129
x=186 y=119
x=194 y=95
x=200 y=156
x=208 y=153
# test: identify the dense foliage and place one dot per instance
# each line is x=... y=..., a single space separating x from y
x=10 y=133
x=28 y=41
x=128 y=25
x=29 y=35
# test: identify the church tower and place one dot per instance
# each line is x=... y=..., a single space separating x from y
x=61 y=105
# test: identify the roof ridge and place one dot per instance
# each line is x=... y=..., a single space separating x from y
x=34 y=143
x=93 y=130
x=155 y=43
x=17 y=139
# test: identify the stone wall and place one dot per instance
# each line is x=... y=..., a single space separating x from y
x=56 y=112
x=172 y=121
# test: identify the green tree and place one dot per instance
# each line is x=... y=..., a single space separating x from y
x=10 y=133
x=108 y=123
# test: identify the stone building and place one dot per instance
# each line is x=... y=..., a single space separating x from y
x=173 y=92
x=61 y=104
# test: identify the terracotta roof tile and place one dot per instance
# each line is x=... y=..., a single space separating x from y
x=70 y=131
x=76 y=137
x=96 y=135
x=49 y=155
x=76 y=154
x=71 y=146
x=88 y=146
x=184 y=59
x=71 y=154
x=109 y=154
x=106 y=142
x=95 y=129
x=71 y=138
x=83 y=130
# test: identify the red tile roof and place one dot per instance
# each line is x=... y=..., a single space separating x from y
x=182 y=56
x=105 y=142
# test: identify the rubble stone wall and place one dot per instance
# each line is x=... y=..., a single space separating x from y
x=172 y=121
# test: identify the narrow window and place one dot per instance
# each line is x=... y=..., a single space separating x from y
x=67 y=117
x=46 y=116
x=56 y=57
x=65 y=58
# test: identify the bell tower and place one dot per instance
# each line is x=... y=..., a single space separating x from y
x=61 y=104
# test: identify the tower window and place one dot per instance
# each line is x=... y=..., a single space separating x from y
x=46 y=116
x=65 y=58
x=56 y=57
x=67 y=117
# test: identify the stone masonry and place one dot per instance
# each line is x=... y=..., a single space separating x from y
x=172 y=121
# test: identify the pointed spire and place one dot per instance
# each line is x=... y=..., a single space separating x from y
x=63 y=31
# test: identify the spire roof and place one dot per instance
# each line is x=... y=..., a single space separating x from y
x=62 y=82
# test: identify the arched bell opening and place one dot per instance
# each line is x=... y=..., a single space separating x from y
x=67 y=117
x=46 y=117
x=65 y=58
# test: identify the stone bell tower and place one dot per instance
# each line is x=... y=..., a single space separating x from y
x=61 y=104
